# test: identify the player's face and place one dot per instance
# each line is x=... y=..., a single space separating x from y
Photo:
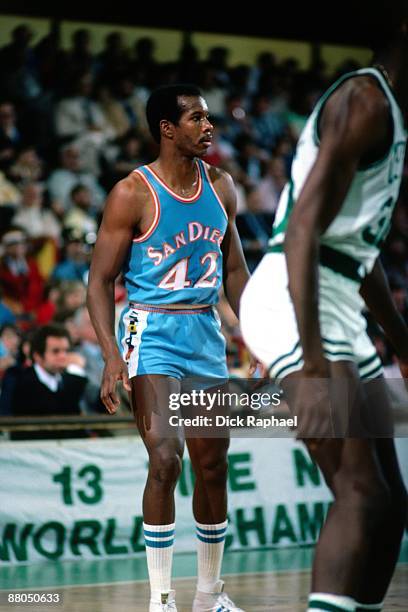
x=193 y=134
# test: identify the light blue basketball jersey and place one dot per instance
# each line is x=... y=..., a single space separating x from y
x=179 y=259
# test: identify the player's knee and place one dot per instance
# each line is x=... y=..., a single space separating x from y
x=214 y=470
x=165 y=467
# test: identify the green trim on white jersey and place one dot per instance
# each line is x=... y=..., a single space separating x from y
x=364 y=220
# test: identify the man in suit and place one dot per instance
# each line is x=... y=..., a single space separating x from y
x=52 y=386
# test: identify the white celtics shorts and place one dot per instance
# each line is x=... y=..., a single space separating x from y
x=269 y=327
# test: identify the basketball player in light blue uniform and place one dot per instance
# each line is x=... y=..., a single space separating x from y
x=170 y=226
x=178 y=261
x=301 y=314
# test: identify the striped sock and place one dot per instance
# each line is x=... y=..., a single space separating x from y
x=373 y=607
x=331 y=603
x=210 y=548
x=159 y=540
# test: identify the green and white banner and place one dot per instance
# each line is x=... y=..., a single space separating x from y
x=82 y=499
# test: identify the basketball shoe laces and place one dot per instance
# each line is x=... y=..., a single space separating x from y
x=225 y=602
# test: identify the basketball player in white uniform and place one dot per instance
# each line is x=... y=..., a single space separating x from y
x=301 y=314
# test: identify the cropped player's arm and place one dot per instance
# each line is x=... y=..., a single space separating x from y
x=235 y=271
x=353 y=125
x=114 y=238
x=375 y=291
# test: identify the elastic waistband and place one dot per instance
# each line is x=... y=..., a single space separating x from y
x=335 y=260
x=164 y=310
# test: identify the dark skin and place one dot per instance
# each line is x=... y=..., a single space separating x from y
x=129 y=210
x=358 y=546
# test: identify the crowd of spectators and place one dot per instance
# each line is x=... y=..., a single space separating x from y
x=72 y=124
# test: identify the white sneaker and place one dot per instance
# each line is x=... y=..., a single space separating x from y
x=217 y=601
x=166 y=603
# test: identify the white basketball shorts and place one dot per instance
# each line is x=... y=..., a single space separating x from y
x=269 y=327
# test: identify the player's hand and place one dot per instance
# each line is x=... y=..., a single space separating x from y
x=115 y=370
x=254 y=365
x=312 y=403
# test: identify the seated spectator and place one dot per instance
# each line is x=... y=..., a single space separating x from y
x=71 y=296
x=20 y=279
x=71 y=173
x=270 y=186
x=75 y=258
x=16 y=67
x=212 y=91
x=81 y=120
x=28 y=167
x=145 y=63
x=79 y=58
x=113 y=58
x=250 y=158
x=52 y=386
x=79 y=216
x=113 y=111
x=132 y=103
x=267 y=126
x=39 y=222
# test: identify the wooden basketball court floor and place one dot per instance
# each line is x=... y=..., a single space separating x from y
x=258 y=580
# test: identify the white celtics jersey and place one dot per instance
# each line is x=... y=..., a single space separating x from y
x=363 y=222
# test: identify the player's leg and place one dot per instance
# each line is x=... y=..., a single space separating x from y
x=386 y=544
x=207 y=372
x=361 y=501
x=150 y=403
x=209 y=460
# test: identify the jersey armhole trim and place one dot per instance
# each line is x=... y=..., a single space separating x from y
x=157 y=211
x=214 y=191
x=331 y=90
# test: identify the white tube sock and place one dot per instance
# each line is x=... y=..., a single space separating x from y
x=210 y=550
x=159 y=540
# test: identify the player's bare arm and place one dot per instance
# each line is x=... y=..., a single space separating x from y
x=235 y=271
x=353 y=128
x=123 y=217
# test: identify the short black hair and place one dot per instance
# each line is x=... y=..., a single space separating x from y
x=39 y=339
x=164 y=104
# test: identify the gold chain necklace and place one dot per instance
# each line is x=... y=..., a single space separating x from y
x=186 y=192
